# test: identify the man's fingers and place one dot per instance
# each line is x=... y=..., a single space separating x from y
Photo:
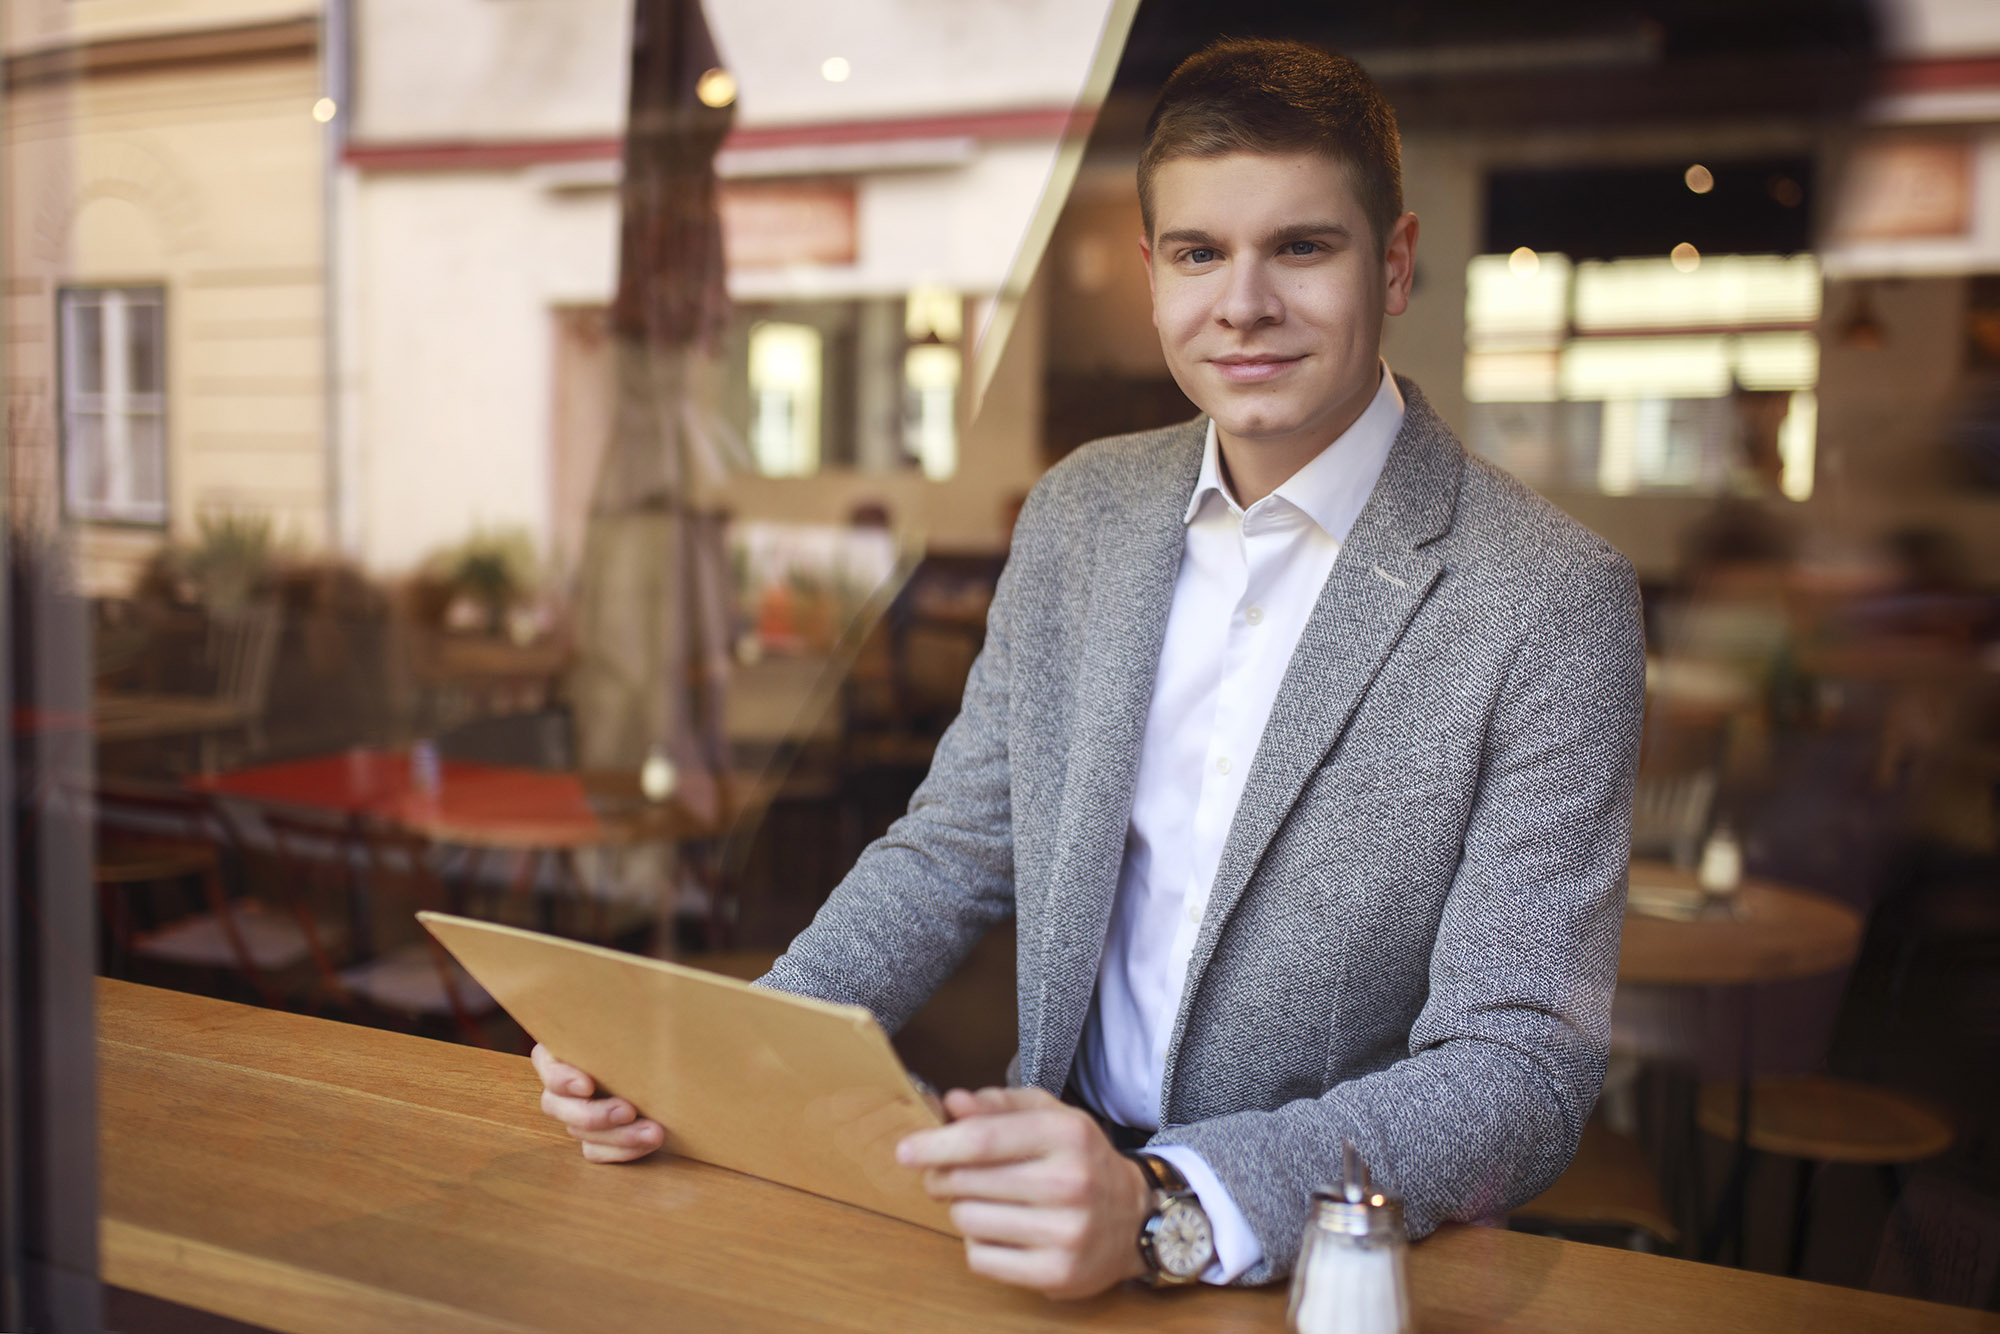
x=589 y=1113
x=1048 y=1181
x=610 y=1129
x=1018 y=1225
x=997 y=1138
x=994 y=1101
x=558 y=1077
x=611 y=1153
x=636 y=1140
x=1029 y=1267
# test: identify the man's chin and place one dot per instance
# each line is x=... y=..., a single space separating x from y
x=1252 y=429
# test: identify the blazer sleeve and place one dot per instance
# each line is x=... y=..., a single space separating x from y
x=923 y=894
x=1507 y=1056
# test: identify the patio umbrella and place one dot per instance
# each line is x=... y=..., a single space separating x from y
x=654 y=615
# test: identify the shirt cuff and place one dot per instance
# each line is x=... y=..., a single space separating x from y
x=1236 y=1246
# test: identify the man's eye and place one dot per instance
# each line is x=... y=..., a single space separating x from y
x=1200 y=255
x=1302 y=247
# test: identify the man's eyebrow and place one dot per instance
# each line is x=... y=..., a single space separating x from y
x=1306 y=231
x=1298 y=231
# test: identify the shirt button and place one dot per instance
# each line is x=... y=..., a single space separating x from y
x=1222 y=765
x=1194 y=912
x=1255 y=616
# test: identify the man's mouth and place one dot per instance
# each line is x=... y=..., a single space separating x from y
x=1252 y=369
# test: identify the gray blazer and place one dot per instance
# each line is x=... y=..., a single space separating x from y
x=1413 y=934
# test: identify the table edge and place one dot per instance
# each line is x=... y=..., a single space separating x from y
x=271 y=1293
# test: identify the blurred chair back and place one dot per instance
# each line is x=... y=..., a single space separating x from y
x=1681 y=756
x=243 y=649
x=543 y=739
x=156 y=834
x=411 y=975
x=1670 y=815
x=314 y=873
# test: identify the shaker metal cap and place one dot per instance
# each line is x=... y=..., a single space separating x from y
x=1354 y=1208
x=1361 y=1217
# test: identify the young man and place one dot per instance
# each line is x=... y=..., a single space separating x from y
x=1301 y=749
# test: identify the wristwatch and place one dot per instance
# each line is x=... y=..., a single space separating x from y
x=1175 y=1241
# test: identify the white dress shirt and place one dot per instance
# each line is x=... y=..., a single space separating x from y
x=1247 y=585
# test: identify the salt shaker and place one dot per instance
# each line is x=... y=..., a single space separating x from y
x=1350 y=1277
x=1721 y=869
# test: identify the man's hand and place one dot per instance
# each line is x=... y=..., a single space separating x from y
x=1043 y=1199
x=611 y=1129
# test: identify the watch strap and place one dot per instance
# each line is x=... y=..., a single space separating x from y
x=1163 y=1175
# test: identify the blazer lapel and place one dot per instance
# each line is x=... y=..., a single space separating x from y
x=1137 y=560
x=1382 y=575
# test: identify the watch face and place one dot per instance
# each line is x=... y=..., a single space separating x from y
x=1182 y=1244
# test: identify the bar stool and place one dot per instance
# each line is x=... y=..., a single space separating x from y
x=1769 y=933
x=1818 y=1119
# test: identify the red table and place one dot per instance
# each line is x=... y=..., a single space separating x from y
x=485 y=803
x=485 y=808
x=480 y=807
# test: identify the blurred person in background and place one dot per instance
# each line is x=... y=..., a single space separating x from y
x=1301 y=749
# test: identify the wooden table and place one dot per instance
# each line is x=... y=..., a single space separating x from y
x=308 y=1175
x=1771 y=933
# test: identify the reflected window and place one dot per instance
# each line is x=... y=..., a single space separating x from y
x=934 y=322
x=867 y=384
x=1680 y=373
x=112 y=364
x=930 y=408
x=785 y=377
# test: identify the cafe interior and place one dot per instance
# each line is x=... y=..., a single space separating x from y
x=551 y=462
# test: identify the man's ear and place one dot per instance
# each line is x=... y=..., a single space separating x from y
x=1399 y=262
x=1146 y=258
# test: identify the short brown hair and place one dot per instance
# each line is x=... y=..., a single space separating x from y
x=1258 y=96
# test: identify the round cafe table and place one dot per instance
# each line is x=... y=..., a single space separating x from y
x=1763 y=932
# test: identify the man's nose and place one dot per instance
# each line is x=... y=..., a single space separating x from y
x=1250 y=298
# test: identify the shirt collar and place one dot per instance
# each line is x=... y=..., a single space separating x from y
x=1332 y=488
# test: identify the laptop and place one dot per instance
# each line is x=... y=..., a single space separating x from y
x=802 y=1092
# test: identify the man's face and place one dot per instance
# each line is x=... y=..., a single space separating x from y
x=1269 y=292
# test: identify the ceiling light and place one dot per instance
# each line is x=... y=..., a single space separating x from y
x=1523 y=262
x=1699 y=179
x=324 y=110
x=835 y=69
x=715 y=88
x=1685 y=257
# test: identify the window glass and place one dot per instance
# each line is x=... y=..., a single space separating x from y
x=144 y=347
x=84 y=345
x=1680 y=373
